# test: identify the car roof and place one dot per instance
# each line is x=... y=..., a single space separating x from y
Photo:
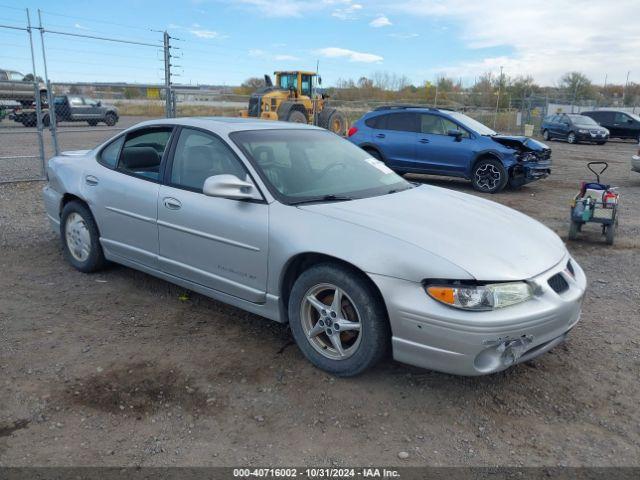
x=228 y=124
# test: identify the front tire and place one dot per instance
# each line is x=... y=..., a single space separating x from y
x=338 y=320
x=571 y=138
x=546 y=135
x=574 y=228
x=489 y=176
x=80 y=238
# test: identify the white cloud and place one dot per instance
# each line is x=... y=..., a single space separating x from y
x=285 y=57
x=351 y=55
x=403 y=36
x=256 y=52
x=349 y=11
x=205 y=33
x=598 y=38
x=81 y=27
x=381 y=21
x=277 y=8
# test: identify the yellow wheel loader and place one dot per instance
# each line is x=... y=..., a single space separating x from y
x=293 y=98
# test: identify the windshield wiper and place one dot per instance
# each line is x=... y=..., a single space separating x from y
x=325 y=198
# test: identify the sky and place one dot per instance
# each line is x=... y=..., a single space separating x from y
x=226 y=41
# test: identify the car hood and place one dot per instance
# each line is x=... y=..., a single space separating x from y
x=486 y=239
x=520 y=143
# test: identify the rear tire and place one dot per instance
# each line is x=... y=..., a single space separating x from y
x=337 y=123
x=314 y=322
x=80 y=238
x=489 y=176
x=296 y=116
x=110 y=119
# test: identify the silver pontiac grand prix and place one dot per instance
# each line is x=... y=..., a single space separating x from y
x=298 y=225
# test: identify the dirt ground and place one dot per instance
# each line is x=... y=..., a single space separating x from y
x=119 y=368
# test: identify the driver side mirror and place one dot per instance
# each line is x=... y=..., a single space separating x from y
x=457 y=134
x=319 y=80
x=99 y=103
x=231 y=187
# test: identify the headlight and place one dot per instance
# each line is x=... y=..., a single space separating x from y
x=582 y=130
x=528 y=157
x=481 y=297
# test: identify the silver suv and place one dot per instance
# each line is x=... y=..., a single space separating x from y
x=14 y=86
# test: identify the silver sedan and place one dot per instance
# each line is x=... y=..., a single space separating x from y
x=297 y=225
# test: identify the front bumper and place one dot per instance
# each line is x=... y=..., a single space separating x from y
x=527 y=172
x=430 y=335
x=591 y=137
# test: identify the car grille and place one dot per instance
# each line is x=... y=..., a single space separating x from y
x=254 y=106
x=558 y=283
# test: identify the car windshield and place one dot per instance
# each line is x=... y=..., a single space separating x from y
x=302 y=166
x=634 y=116
x=471 y=124
x=583 y=120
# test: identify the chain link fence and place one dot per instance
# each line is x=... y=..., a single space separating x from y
x=22 y=150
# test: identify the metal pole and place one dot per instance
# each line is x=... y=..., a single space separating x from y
x=36 y=92
x=52 y=114
x=167 y=76
x=495 y=117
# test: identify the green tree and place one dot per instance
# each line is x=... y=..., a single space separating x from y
x=577 y=86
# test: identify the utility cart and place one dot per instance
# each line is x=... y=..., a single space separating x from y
x=595 y=203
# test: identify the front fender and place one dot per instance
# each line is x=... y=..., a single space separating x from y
x=293 y=231
x=508 y=158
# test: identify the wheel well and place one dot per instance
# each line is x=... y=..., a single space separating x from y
x=371 y=148
x=484 y=156
x=69 y=197
x=304 y=261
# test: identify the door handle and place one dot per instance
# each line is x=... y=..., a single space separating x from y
x=424 y=140
x=380 y=135
x=91 y=180
x=172 y=203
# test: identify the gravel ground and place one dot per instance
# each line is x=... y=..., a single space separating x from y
x=119 y=368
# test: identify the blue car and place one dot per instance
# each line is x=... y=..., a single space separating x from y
x=435 y=141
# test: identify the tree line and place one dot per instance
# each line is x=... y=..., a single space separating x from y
x=488 y=90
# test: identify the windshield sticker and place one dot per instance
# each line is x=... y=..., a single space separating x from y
x=379 y=165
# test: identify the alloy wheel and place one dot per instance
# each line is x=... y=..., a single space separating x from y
x=488 y=177
x=331 y=321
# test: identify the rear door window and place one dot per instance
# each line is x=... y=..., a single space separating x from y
x=403 y=122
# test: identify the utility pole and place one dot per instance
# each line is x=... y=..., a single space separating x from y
x=495 y=117
x=168 y=108
x=435 y=100
x=624 y=90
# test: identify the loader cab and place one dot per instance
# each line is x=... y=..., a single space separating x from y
x=302 y=83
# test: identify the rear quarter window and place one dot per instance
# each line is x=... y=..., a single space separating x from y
x=109 y=155
x=377 y=122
